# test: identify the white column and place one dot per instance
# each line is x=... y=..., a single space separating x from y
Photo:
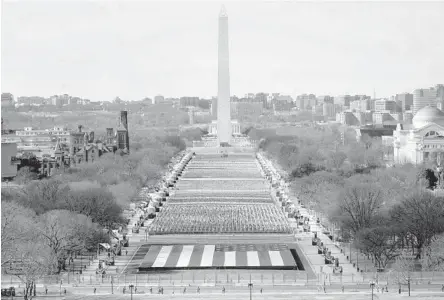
x=223 y=94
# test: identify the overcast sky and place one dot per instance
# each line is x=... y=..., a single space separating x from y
x=135 y=49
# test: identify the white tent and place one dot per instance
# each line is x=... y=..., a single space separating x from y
x=105 y=245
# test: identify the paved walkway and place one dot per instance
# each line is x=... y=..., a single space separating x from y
x=316 y=259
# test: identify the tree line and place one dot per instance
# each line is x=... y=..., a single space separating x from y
x=45 y=221
x=387 y=211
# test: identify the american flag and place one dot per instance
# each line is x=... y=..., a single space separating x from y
x=202 y=256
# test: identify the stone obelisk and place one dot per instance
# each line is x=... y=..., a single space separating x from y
x=223 y=92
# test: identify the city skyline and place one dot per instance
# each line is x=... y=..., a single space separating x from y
x=101 y=50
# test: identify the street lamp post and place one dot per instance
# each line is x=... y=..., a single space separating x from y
x=408 y=283
x=131 y=289
x=250 y=285
x=351 y=250
x=372 y=284
x=357 y=260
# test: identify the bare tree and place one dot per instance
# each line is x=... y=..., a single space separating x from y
x=97 y=203
x=420 y=214
x=318 y=190
x=43 y=195
x=16 y=226
x=355 y=155
x=63 y=232
x=25 y=175
x=433 y=256
x=337 y=159
x=402 y=269
x=23 y=253
x=359 y=204
x=380 y=242
x=32 y=262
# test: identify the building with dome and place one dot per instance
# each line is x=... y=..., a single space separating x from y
x=421 y=141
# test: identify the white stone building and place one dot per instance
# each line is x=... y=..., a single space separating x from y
x=422 y=140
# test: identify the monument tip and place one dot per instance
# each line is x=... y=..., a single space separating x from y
x=223 y=12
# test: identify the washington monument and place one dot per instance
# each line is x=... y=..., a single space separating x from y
x=223 y=93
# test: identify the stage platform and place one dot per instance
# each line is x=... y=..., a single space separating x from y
x=219 y=256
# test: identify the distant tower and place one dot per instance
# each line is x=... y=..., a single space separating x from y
x=191 y=115
x=121 y=138
x=223 y=94
x=122 y=132
x=58 y=154
x=109 y=136
x=85 y=147
x=124 y=120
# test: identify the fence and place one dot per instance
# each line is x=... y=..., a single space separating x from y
x=163 y=278
x=230 y=278
x=388 y=278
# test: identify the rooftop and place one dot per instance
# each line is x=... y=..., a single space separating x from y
x=428 y=115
